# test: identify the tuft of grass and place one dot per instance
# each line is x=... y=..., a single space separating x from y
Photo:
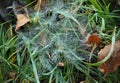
x=58 y=35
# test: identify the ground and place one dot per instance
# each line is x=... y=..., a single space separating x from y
x=59 y=43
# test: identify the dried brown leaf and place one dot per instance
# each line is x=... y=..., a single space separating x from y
x=41 y=4
x=22 y=19
x=113 y=62
x=21 y=14
x=37 y=6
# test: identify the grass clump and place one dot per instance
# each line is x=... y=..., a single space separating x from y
x=57 y=35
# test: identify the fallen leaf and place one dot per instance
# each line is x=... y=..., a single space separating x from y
x=22 y=19
x=41 y=4
x=113 y=62
x=21 y=14
x=37 y=6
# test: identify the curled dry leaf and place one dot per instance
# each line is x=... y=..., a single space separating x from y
x=22 y=19
x=113 y=62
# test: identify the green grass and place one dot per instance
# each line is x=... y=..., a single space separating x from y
x=56 y=35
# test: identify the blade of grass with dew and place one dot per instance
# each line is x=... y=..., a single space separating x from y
x=34 y=69
x=79 y=58
x=68 y=15
x=51 y=70
x=20 y=57
x=33 y=64
x=51 y=76
x=38 y=34
x=92 y=18
x=103 y=25
x=2 y=58
x=73 y=29
x=12 y=54
x=9 y=42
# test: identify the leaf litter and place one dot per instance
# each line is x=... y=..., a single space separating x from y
x=111 y=64
x=21 y=14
